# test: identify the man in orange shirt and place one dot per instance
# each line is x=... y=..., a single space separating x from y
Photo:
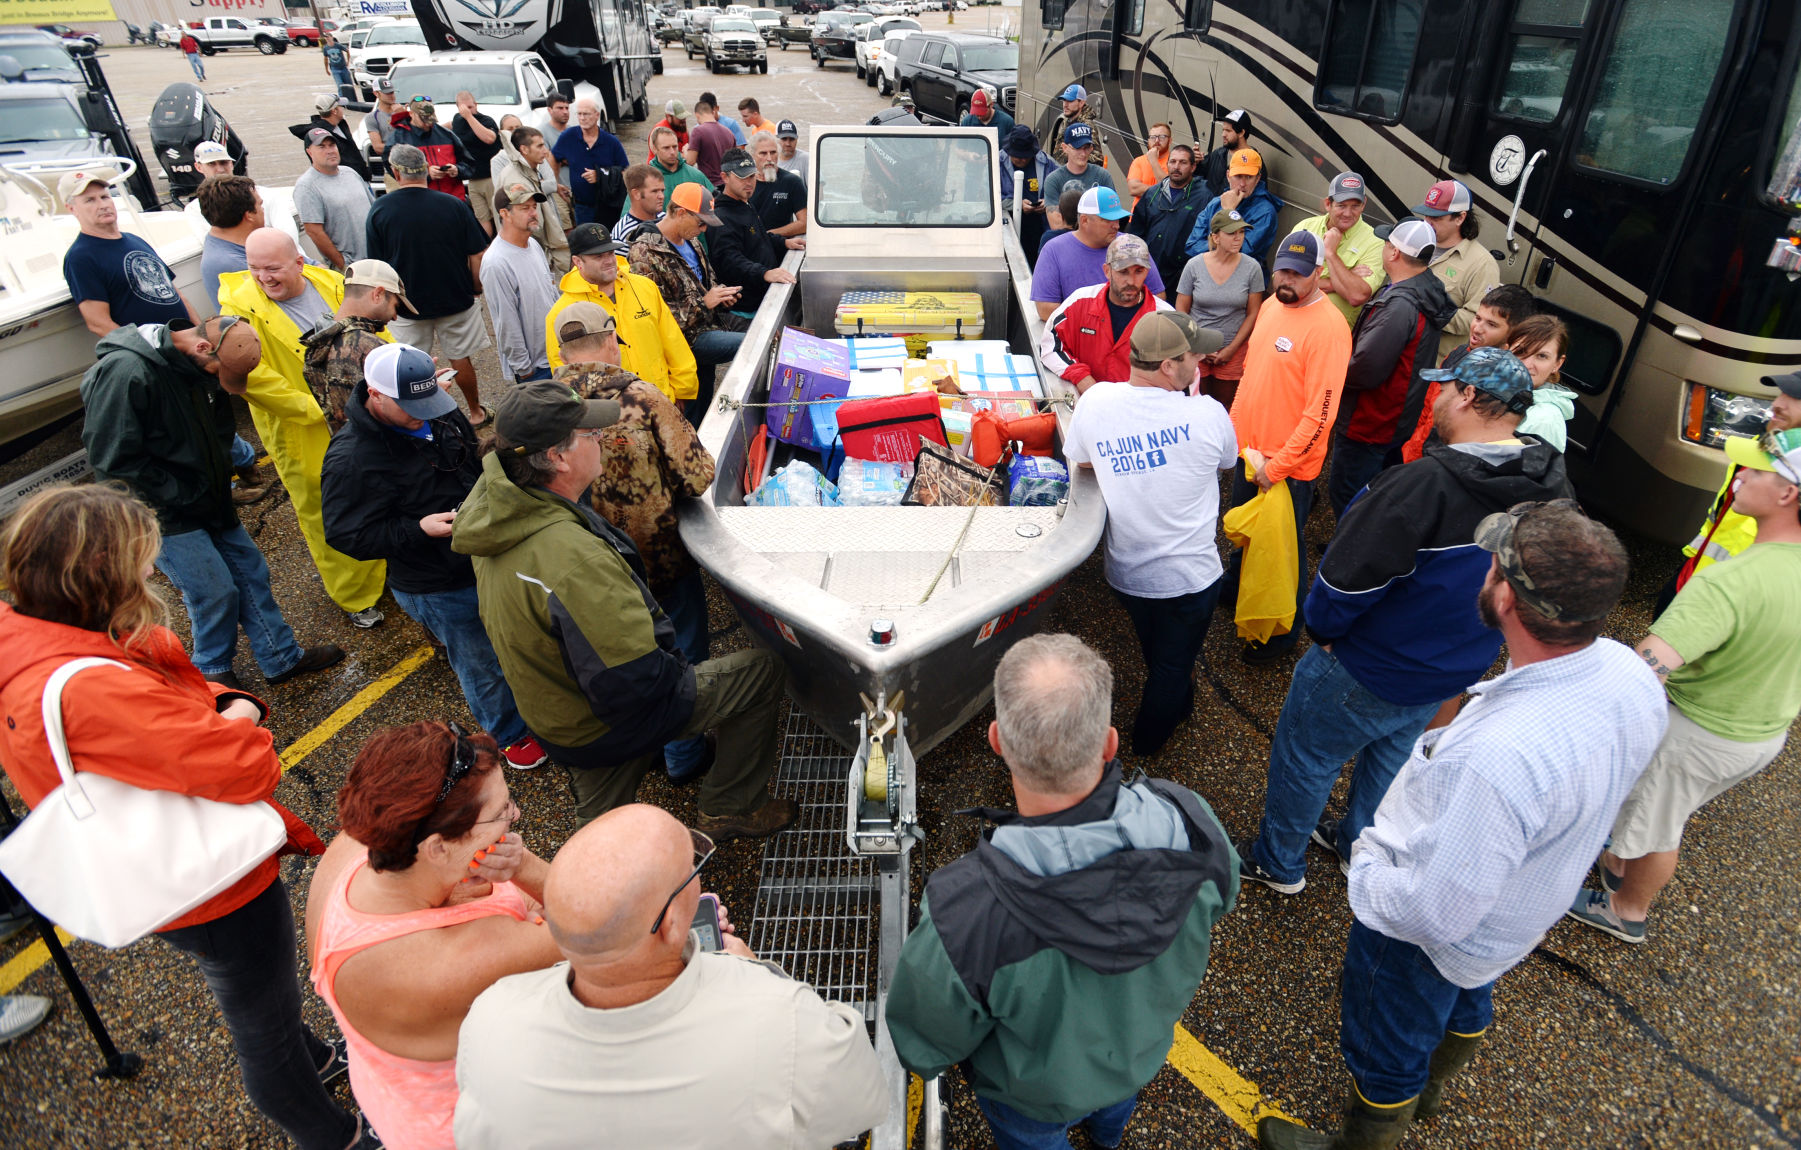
x=1286 y=404
x=1147 y=169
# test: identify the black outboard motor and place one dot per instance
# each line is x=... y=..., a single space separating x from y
x=180 y=121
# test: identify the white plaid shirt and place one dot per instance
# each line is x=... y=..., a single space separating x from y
x=1486 y=833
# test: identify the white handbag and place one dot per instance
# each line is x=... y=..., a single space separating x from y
x=111 y=862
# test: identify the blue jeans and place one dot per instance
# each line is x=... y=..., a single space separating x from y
x=1354 y=464
x=686 y=605
x=536 y=374
x=1394 y=1010
x=1170 y=633
x=452 y=616
x=224 y=583
x=341 y=78
x=1300 y=491
x=587 y=213
x=247 y=958
x=1014 y=1131
x=712 y=349
x=242 y=454
x=1327 y=718
x=194 y=63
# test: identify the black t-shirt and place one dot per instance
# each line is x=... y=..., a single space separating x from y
x=428 y=238
x=1122 y=316
x=778 y=201
x=127 y=275
x=480 y=154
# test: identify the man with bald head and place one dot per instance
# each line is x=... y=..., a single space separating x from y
x=282 y=298
x=643 y=1032
x=158 y=422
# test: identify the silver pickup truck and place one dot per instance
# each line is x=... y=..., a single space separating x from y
x=217 y=33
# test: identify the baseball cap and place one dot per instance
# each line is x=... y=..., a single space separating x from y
x=787 y=131
x=1778 y=451
x=1156 y=337
x=1228 y=221
x=1498 y=534
x=376 y=273
x=1789 y=385
x=1238 y=118
x=516 y=193
x=1414 y=238
x=978 y=101
x=406 y=160
x=1298 y=253
x=407 y=376
x=592 y=239
x=325 y=102
x=1445 y=198
x=1126 y=251
x=737 y=162
x=1074 y=92
x=1345 y=186
x=76 y=182
x=1021 y=142
x=541 y=414
x=1201 y=340
x=1244 y=162
x=384 y=85
x=582 y=319
x=320 y=136
x=210 y=151
x=1078 y=135
x=696 y=199
x=1492 y=369
x=1102 y=202
x=676 y=110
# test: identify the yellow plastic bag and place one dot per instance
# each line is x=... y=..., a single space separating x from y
x=1264 y=527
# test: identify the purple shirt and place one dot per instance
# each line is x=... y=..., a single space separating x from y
x=1066 y=264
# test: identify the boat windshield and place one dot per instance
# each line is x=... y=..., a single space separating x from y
x=32 y=121
x=906 y=181
x=491 y=84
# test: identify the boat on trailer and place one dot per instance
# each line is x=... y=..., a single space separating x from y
x=890 y=620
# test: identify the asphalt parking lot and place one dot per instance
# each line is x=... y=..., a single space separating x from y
x=1686 y=1041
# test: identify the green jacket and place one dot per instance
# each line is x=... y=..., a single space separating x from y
x=589 y=654
x=162 y=426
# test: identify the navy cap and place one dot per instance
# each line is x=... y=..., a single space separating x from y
x=1078 y=135
x=407 y=376
x=787 y=131
x=1021 y=142
x=1298 y=253
x=1494 y=370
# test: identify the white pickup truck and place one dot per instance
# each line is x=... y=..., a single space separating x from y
x=217 y=33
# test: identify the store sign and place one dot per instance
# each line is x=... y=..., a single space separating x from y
x=383 y=8
x=57 y=11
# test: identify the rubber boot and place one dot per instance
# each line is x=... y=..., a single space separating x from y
x=1366 y=1127
x=1453 y=1054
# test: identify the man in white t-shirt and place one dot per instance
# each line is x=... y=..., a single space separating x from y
x=1157 y=453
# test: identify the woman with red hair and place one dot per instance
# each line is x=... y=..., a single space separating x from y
x=424 y=901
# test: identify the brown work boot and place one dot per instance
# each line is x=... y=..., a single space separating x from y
x=251 y=485
x=311 y=659
x=767 y=819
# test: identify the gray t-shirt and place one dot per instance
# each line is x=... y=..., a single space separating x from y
x=341 y=203
x=797 y=163
x=305 y=309
x=519 y=292
x=1220 y=307
x=1093 y=176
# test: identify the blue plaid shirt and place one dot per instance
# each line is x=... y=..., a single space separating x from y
x=1488 y=831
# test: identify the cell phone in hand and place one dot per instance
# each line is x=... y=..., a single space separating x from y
x=706 y=923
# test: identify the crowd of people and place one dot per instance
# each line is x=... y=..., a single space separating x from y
x=1219 y=369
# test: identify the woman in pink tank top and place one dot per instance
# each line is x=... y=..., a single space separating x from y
x=423 y=902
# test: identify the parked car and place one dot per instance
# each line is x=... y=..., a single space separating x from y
x=43 y=56
x=44 y=123
x=768 y=22
x=217 y=33
x=867 y=36
x=305 y=33
x=387 y=45
x=64 y=32
x=503 y=83
x=881 y=73
x=833 y=34
x=734 y=40
x=941 y=70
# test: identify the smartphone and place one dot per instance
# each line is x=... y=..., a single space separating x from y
x=706 y=922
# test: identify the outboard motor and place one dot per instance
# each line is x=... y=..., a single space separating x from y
x=180 y=121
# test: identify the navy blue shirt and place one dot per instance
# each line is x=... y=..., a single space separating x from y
x=335 y=57
x=126 y=275
x=607 y=152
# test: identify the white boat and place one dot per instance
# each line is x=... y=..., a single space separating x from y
x=45 y=348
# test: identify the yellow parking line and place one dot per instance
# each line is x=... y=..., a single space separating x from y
x=1233 y=1093
x=19 y=967
x=361 y=701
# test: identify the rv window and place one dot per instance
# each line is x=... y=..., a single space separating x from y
x=1052 y=11
x=1658 y=74
x=912 y=180
x=1367 y=58
x=1594 y=350
x=1197 y=17
x=1538 y=71
x=1131 y=15
x=1562 y=13
x=1785 y=181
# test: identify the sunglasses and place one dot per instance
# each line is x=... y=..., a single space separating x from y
x=703 y=850
x=462 y=761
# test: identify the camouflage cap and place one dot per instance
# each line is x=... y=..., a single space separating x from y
x=1492 y=369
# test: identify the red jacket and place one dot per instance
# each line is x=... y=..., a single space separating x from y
x=156 y=726
x=1078 y=338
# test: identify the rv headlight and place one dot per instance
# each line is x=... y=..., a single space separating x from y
x=1710 y=415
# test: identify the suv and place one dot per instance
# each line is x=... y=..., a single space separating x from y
x=733 y=39
x=768 y=22
x=833 y=35
x=503 y=83
x=867 y=36
x=386 y=45
x=217 y=33
x=943 y=69
x=884 y=59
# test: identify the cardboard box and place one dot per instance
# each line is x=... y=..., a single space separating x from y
x=806 y=368
x=930 y=375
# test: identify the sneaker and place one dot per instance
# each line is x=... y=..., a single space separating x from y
x=766 y=820
x=526 y=754
x=20 y=1015
x=1595 y=908
x=226 y=679
x=312 y=659
x=337 y=1065
x=1326 y=835
x=366 y=618
x=1248 y=869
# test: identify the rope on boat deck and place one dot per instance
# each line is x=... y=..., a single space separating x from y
x=963 y=531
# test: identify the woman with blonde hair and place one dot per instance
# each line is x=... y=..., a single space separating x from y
x=77 y=561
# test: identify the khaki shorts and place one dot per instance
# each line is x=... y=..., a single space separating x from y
x=481 y=200
x=458 y=336
x=1692 y=765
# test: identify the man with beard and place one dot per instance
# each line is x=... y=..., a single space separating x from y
x=1072 y=261
x=1164 y=215
x=744 y=253
x=334 y=352
x=1087 y=339
x=780 y=198
x=1393 y=616
x=1235 y=135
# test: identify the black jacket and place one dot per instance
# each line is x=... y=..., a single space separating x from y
x=742 y=250
x=1396 y=337
x=1163 y=217
x=377 y=484
x=349 y=154
x=159 y=424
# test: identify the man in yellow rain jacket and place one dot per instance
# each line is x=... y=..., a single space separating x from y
x=282 y=297
x=651 y=344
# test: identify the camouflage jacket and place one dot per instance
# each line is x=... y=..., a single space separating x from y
x=1054 y=142
x=655 y=258
x=649 y=459
x=334 y=361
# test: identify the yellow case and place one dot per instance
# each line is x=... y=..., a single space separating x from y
x=917 y=316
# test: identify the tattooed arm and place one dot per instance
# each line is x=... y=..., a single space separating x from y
x=1660 y=657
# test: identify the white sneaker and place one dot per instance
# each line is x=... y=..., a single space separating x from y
x=20 y=1015
x=366 y=618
